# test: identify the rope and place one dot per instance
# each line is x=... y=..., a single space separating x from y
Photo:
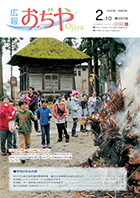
x=82 y=118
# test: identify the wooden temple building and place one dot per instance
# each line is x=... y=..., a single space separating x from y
x=48 y=64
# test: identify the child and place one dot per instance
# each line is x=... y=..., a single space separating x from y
x=7 y=113
x=26 y=98
x=24 y=124
x=45 y=115
x=14 y=132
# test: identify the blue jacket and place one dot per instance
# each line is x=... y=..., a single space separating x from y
x=44 y=115
x=75 y=112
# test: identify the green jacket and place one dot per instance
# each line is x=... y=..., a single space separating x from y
x=23 y=120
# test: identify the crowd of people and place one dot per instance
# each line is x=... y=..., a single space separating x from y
x=34 y=107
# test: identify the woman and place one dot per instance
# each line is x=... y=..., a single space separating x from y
x=75 y=111
x=59 y=111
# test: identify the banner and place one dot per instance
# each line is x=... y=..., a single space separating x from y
x=74 y=18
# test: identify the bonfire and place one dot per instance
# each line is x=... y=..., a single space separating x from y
x=117 y=140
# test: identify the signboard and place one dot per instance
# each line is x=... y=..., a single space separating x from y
x=13 y=81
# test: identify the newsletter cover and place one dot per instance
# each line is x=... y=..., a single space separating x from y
x=69 y=99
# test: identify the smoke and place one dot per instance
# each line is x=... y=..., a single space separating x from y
x=129 y=62
x=130 y=68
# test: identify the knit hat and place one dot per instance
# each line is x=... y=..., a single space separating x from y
x=74 y=92
x=58 y=97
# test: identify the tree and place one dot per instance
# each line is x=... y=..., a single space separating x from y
x=11 y=44
x=71 y=41
x=91 y=47
x=86 y=46
x=109 y=50
x=103 y=49
x=115 y=49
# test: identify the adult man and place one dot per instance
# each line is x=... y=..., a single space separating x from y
x=108 y=95
x=7 y=113
x=84 y=106
x=33 y=105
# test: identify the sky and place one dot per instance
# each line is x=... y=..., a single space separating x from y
x=6 y=58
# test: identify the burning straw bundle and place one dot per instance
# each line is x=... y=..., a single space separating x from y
x=118 y=142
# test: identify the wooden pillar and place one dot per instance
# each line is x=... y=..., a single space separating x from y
x=59 y=76
x=74 y=87
x=43 y=81
x=27 y=78
x=20 y=78
x=21 y=83
x=43 y=78
x=24 y=82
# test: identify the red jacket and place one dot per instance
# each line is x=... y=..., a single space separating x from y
x=5 y=112
x=62 y=106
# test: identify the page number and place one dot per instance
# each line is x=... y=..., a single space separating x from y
x=100 y=13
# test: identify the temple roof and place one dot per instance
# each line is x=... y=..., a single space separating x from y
x=48 y=50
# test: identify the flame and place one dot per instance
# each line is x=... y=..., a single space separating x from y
x=138 y=77
x=93 y=116
x=111 y=118
x=101 y=119
x=105 y=106
x=126 y=165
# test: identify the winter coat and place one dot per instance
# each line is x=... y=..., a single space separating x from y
x=56 y=113
x=91 y=103
x=75 y=112
x=26 y=98
x=44 y=115
x=39 y=98
x=84 y=105
x=99 y=105
x=33 y=102
x=23 y=120
x=5 y=112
